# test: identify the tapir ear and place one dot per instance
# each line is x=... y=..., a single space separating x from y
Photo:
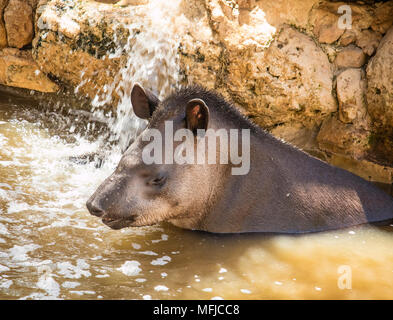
x=197 y=115
x=143 y=101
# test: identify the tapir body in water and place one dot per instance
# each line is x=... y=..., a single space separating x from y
x=284 y=191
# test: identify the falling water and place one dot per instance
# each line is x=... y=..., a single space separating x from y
x=152 y=61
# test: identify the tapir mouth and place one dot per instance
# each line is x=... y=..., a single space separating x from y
x=118 y=223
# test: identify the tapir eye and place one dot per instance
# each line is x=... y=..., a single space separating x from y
x=158 y=181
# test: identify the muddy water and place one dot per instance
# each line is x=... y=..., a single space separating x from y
x=50 y=247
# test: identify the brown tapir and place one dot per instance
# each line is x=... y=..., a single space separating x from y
x=285 y=190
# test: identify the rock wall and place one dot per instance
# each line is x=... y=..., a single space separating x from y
x=289 y=64
x=17 y=67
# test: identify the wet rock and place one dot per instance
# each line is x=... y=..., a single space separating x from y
x=350 y=57
x=380 y=84
x=83 y=38
x=346 y=139
x=365 y=168
x=18 y=69
x=18 y=18
x=3 y=33
x=350 y=93
x=348 y=132
x=380 y=95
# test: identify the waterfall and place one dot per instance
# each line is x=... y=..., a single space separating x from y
x=152 y=60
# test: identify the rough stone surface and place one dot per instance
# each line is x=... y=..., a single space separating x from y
x=18 y=17
x=380 y=95
x=350 y=93
x=350 y=57
x=18 y=69
x=383 y=17
x=348 y=132
x=290 y=82
x=84 y=43
x=341 y=138
x=325 y=23
x=368 y=40
x=380 y=83
x=288 y=12
x=3 y=33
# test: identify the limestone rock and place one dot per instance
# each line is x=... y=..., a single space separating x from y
x=18 y=69
x=348 y=37
x=368 y=40
x=350 y=93
x=280 y=12
x=350 y=57
x=341 y=138
x=367 y=24
x=128 y=2
x=256 y=32
x=71 y=34
x=380 y=83
x=3 y=33
x=290 y=82
x=325 y=23
x=18 y=17
x=246 y=4
x=383 y=17
x=380 y=97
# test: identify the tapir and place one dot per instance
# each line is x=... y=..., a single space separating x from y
x=285 y=191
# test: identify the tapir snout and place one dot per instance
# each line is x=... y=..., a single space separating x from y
x=106 y=203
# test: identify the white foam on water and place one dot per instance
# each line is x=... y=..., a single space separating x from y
x=48 y=284
x=5 y=284
x=245 y=291
x=68 y=270
x=161 y=288
x=83 y=292
x=3 y=228
x=148 y=253
x=222 y=270
x=19 y=253
x=3 y=268
x=161 y=261
x=70 y=284
x=136 y=246
x=130 y=268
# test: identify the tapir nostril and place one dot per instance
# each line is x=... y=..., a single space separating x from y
x=96 y=211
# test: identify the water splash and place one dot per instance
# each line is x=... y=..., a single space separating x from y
x=151 y=60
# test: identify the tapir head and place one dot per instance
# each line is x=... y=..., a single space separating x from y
x=141 y=193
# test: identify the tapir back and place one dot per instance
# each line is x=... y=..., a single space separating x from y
x=288 y=191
